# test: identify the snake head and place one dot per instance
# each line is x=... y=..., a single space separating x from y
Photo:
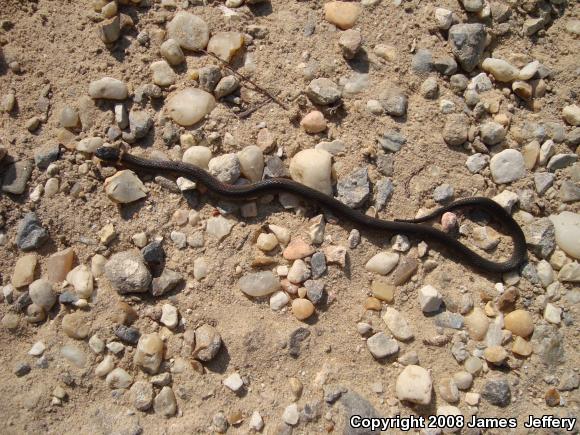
x=108 y=154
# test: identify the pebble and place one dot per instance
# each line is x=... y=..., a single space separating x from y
x=89 y=144
x=149 y=353
x=141 y=395
x=37 y=349
x=153 y=254
x=225 y=45
x=219 y=227
x=171 y=51
x=126 y=334
x=443 y=193
x=430 y=88
x=259 y=284
x=540 y=236
x=200 y=268
x=446 y=66
x=225 y=168
x=414 y=385
x=169 y=316
x=21 y=369
x=567 y=232
x=197 y=156
x=507 y=166
x=430 y=299
x=313 y=122
x=108 y=88
x=256 y=422
x=110 y=30
x=392 y=141
x=299 y=272
x=422 y=61
x=291 y=415
x=189 y=106
x=279 y=300
x=571 y=114
x=553 y=314
x=46 y=155
x=397 y=324
x=501 y=70
x=492 y=133
x=312 y=168
x=520 y=323
x=477 y=324
x=24 y=270
x=561 y=161
x=497 y=392
x=81 y=279
x=463 y=380
x=208 y=342
x=127 y=272
x=350 y=42
x=342 y=14
x=226 y=86
x=302 y=309
x=323 y=91
x=477 y=162
x=165 y=403
x=467 y=43
x=455 y=130
x=209 y=77
x=74 y=355
x=41 y=294
x=381 y=346
x=495 y=355
x=76 y=325
x=353 y=190
x=521 y=347
x=125 y=187
x=318 y=264
x=405 y=270
x=444 y=18
x=394 y=101
x=190 y=31
x=163 y=74
x=8 y=103
x=448 y=390
x=16 y=176
x=234 y=382
x=382 y=263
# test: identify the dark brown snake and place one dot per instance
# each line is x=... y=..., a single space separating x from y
x=276 y=185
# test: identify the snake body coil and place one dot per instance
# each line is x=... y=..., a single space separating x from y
x=276 y=185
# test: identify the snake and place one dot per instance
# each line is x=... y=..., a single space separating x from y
x=415 y=227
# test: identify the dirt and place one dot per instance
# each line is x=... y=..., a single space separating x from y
x=57 y=47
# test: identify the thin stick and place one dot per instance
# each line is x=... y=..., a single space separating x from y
x=246 y=79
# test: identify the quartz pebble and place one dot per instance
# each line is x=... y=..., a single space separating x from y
x=259 y=284
x=382 y=263
x=430 y=299
x=81 y=279
x=108 y=88
x=234 y=382
x=24 y=270
x=189 y=106
x=149 y=353
x=162 y=73
x=571 y=114
x=266 y=242
x=219 y=227
x=225 y=168
x=41 y=294
x=397 y=324
x=519 y=322
x=312 y=168
x=251 y=160
x=313 y=122
x=118 y=378
x=501 y=70
x=567 y=231
x=198 y=156
x=225 y=45
x=169 y=316
x=125 y=187
x=414 y=385
x=172 y=52
x=208 y=342
x=190 y=31
x=341 y=14
x=302 y=308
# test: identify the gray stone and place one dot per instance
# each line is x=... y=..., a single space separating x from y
x=530 y=273
x=139 y=123
x=543 y=181
x=21 y=369
x=443 y=193
x=548 y=343
x=127 y=334
x=449 y=320
x=569 y=381
x=381 y=346
x=142 y=395
x=472 y=5
x=497 y=392
x=540 y=237
x=318 y=265
x=209 y=77
x=456 y=129
x=275 y=168
x=569 y=191
x=467 y=43
x=46 y=155
x=392 y=141
x=458 y=83
x=422 y=62
x=153 y=253
x=507 y=166
x=353 y=190
x=561 y=161
x=165 y=403
x=314 y=291
x=354 y=404
x=128 y=273
x=168 y=280
x=16 y=177
x=384 y=189
x=385 y=164
x=573 y=137
x=323 y=91
x=296 y=338
x=477 y=162
x=208 y=342
x=492 y=133
x=31 y=235
x=226 y=86
x=445 y=65
x=394 y=101
x=430 y=88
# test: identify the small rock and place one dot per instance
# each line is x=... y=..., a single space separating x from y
x=190 y=31
x=497 y=392
x=493 y=133
x=430 y=299
x=24 y=270
x=125 y=187
x=142 y=395
x=291 y=415
x=302 y=308
x=41 y=294
x=149 y=353
x=342 y=14
x=259 y=284
x=353 y=190
x=350 y=42
x=398 y=325
x=234 y=382
x=225 y=45
x=394 y=101
x=207 y=343
x=520 y=323
x=381 y=346
x=108 y=88
x=189 y=106
x=571 y=114
x=323 y=91
x=162 y=73
x=501 y=70
x=16 y=177
x=382 y=263
x=313 y=122
x=219 y=227
x=414 y=384
x=165 y=403
x=128 y=273
x=166 y=282
x=467 y=43
x=455 y=130
x=507 y=166
x=172 y=52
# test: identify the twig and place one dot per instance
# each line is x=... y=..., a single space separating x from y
x=246 y=79
x=251 y=110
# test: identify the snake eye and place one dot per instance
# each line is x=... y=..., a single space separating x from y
x=108 y=154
